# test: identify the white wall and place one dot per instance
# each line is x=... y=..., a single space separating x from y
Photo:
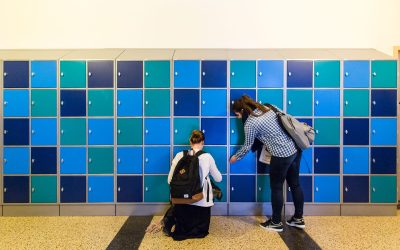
x=200 y=24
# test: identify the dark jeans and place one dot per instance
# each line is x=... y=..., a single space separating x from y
x=288 y=168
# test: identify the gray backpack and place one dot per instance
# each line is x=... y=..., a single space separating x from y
x=301 y=133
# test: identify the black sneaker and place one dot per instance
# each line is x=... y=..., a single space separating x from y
x=269 y=225
x=294 y=222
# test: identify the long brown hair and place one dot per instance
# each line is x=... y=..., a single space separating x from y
x=245 y=103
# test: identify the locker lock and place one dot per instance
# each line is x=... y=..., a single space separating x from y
x=260 y=73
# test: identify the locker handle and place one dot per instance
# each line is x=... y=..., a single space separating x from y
x=119 y=102
x=374 y=103
x=204 y=102
x=289 y=73
x=346 y=189
x=62 y=131
x=33 y=190
x=90 y=189
x=33 y=74
x=119 y=189
x=147 y=160
x=5 y=132
x=317 y=74
x=176 y=73
x=346 y=160
x=90 y=131
x=346 y=103
x=260 y=73
x=203 y=131
x=147 y=131
x=33 y=160
x=290 y=102
x=62 y=160
x=233 y=131
x=33 y=103
x=5 y=103
x=62 y=74
x=316 y=189
x=62 y=189
x=147 y=73
x=176 y=131
x=90 y=160
x=317 y=102
x=119 y=131
x=347 y=74
x=374 y=73
x=119 y=160
x=289 y=189
x=204 y=73
x=90 y=74
x=147 y=102
x=5 y=74
x=373 y=189
x=5 y=160
x=5 y=190
x=33 y=131
x=233 y=102
x=176 y=102
x=373 y=131
x=233 y=73
x=233 y=188
x=373 y=160
x=146 y=188
x=346 y=131
x=259 y=188
x=90 y=102
x=316 y=160
x=119 y=73
x=62 y=103
x=316 y=131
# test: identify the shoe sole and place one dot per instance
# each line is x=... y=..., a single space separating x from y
x=295 y=225
x=272 y=229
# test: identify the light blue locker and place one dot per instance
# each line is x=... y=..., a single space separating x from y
x=43 y=74
x=356 y=74
x=213 y=102
x=306 y=162
x=72 y=160
x=270 y=74
x=44 y=131
x=157 y=160
x=355 y=160
x=327 y=102
x=16 y=103
x=247 y=165
x=100 y=189
x=130 y=102
x=16 y=161
x=327 y=189
x=383 y=131
x=186 y=74
x=271 y=96
x=101 y=131
x=157 y=131
x=129 y=160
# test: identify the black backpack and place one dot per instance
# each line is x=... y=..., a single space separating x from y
x=185 y=185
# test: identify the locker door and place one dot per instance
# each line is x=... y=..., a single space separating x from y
x=16 y=132
x=44 y=74
x=384 y=74
x=73 y=131
x=247 y=165
x=383 y=131
x=186 y=102
x=44 y=189
x=299 y=102
x=157 y=74
x=299 y=74
x=327 y=74
x=130 y=160
x=383 y=189
x=263 y=188
x=356 y=189
x=356 y=131
x=219 y=155
x=356 y=74
x=44 y=103
x=101 y=102
x=73 y=189
x=271 y=96
x=72 y=160
x=356 y=102
x=157 y=131
x=213 y=102
x=130 y=74
x=130 y=189
x=73 y=102
x=101 y=160
x=156 y=188
x=214 y=130
x=183 y=128
x=186 y=74
x=101 y=131
x=44 y=131
x=16 y=74
x=327 y=189
x=306 y=163
x=243 y=74
x=243 y=188
x=327 y=103
x=16 y=161
x=326 y=160
x=237 y=131
x=157 y=160
x=156 y=102
x=213 y=74
x=237 y=94
x=130 y=102
x=16 y=103
x=44 y=160
x=73 y=74
x=270 y=74
x=327 y=131
x=383 y=160
x=16 y=189
x=101 y=74
x=130 y=131
x=306 y=186
x=355 y=160
x=383 y=103
x=100 y=189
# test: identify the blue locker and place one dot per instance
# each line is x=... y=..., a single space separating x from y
x=72 y=160
x=246 y=165
x=384 y=131
x=16 y=161
x=178 y=149
x=73 y=189
x=356 y=74
x=306 y=186
x=355 y=160
x=356 y=131
x=237 y=93
x=186 y=102
x=130 y=74
x=101 y=74
x=16 y=132
x=157 y=131
x=213 y=102
x=101 y=131
x=213 y=74
x=383 y=160
x=186 y=74
x=73 y=102
x=130 y=160
x=299 y=74
x=355 y=189
x=327 y=102
x=219 y=155
x=100 y=189
x=44 y=160
x=383 y=103
x=327 y=189
x=306 y=162
x=44 y=74
x=309 y=121
x=16 y=189
x=271 y=96
x=270 y=74
x=214 y=130
x=243 y=188
x=130 y=189
x=157 y=160
x=16 y=74
x=327 y=160
x=16 y=103
x=44 y=131
x=130 y=102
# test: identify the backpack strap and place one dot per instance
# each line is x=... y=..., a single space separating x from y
x=185 y=152
x=273 y=108
x=199 y=153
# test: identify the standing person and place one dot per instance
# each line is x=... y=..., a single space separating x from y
x=262 y=123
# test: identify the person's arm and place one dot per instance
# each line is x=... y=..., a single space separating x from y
x=214 y=172
x=173 y=165
x=249 y=136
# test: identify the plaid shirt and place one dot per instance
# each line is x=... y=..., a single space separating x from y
x=267 y=129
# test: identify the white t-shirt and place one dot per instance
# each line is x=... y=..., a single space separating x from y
x=207 y=166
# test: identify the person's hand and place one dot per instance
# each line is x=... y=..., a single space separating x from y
x=154 y=228
x=233 y=159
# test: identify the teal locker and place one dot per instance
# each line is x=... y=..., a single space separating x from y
x=355 y=102
x=183 y=128
x=271 y=96
x=326 y=74
x=263 y=188
x=383 y=189
x=156 y=74
x=384 y=74
x=156 y=188
x=327 y=131
x=243 y=74
x=157 y=103
x=299 y=102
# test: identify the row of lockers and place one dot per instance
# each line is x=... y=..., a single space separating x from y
x=212 y=74
x=156 y=160
x=187 y=102
x=243 y=188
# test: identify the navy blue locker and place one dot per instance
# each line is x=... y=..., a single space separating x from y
x=299 y=74
x=16 y=189
x=16 y=74
x=383 y=160
x=214 y=130
x=326 y=160
x=44 y=131
x=213 y=102
x=213 y=74
x=44 y=160
x=186 y=102
x=101 y=131
x=16 y=103
x=237 y=93
x=73 y=102
x=243 y=188
x=356 y=131
x=130 y=189
x=306 y=186
x=383 y=103
x=101 y=74
x=157 y=131
x=130 y=74
x=16 y=132
x=73 y=189
x=356 y=189
x=130 y=102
